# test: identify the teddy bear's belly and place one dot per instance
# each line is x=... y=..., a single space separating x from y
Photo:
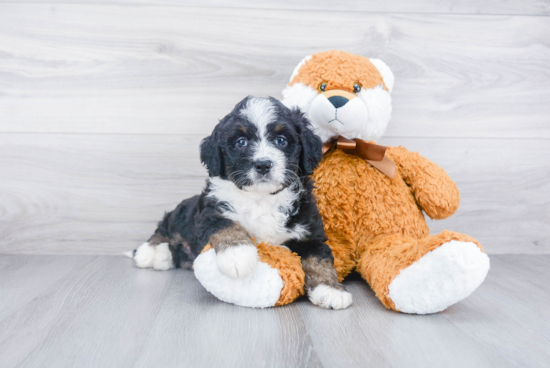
x=358 y=203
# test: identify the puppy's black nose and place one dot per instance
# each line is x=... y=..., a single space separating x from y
x=338 y=101
x=263 y=167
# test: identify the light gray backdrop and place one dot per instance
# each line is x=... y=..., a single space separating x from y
x=102 y=106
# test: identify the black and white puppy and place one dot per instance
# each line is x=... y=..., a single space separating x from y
x=259 y=158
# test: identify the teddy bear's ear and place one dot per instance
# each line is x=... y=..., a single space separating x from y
x=298 y=94
x=385 y=72
x=297 y=69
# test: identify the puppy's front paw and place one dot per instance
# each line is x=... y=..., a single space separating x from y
x=237 y=261
x=329 y=297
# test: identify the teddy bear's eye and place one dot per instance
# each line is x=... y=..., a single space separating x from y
x=356 y=88
x=322 y=87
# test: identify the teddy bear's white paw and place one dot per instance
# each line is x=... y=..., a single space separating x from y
x=158 y=256
x=261 y=289
x=328 y=297
x=238 y=261
x=440 y=278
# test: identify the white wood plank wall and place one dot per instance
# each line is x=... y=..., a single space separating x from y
x=103 y=104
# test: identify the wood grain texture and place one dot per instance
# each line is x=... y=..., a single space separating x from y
x=91 y=194
x=176 y=70
x=106 y=313
x=102 y=106
x=215 y=336
x=17 y=273
x=103 y=194
x=97 y=315
x=517 y=7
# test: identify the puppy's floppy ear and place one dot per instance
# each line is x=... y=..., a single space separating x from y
x=212 y=155
x=312 y=147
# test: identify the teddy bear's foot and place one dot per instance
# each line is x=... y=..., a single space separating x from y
x=277 y=279
x=439 y=279
x=260 y=289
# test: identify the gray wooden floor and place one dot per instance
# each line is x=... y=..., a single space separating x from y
x=100 y=311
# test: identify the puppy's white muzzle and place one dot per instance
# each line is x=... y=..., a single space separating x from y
x=273 y=179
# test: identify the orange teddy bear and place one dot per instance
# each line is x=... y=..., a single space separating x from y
x=372 y=209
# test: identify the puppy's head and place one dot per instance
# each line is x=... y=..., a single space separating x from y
x=261 y=146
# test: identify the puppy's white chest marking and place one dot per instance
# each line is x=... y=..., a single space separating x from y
x=262 y=214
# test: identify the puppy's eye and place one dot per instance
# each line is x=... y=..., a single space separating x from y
x=281 y=141
x=322 y=87
x=356 y=88
x=241 y=142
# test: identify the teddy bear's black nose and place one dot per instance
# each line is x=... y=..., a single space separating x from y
x=338 y=101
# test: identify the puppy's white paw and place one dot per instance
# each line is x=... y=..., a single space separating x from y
x=163 y=258
x=145 y=255
x=328 y=297
x=237 y=261
x=158 y=257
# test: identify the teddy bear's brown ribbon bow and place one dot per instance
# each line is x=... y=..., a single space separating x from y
x=372 y=153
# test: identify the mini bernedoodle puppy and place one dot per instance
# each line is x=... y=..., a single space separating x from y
x=259 y=158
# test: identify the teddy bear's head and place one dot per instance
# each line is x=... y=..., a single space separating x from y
x=342 y=94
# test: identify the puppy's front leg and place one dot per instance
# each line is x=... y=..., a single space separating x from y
x=322 y=286
x=236 y=254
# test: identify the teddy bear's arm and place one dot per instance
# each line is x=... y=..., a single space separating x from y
x=434 y=190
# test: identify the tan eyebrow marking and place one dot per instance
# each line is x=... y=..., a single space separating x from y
x=242 y=128
x=279 y=127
